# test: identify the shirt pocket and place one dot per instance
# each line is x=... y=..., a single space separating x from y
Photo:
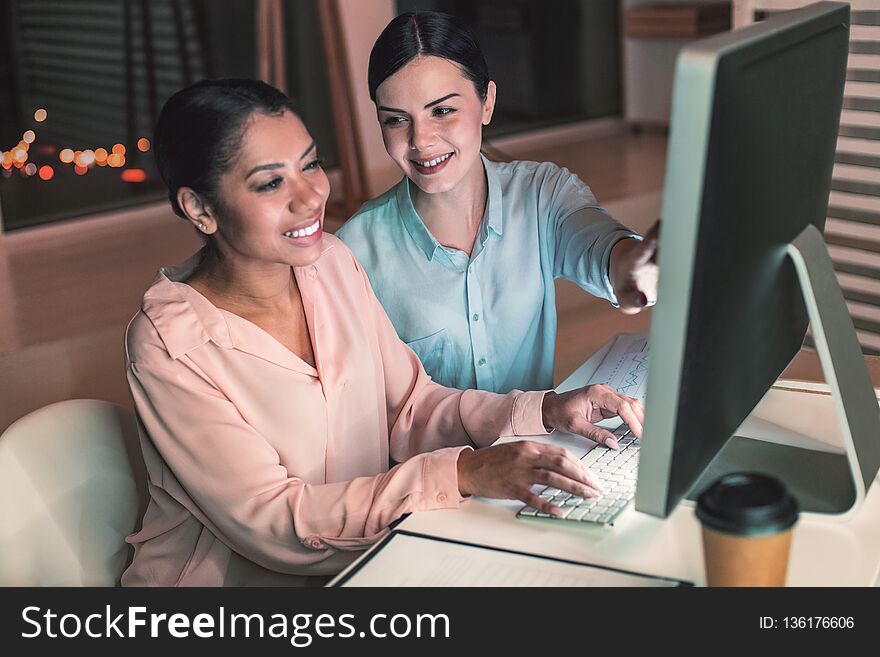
x=434 y=352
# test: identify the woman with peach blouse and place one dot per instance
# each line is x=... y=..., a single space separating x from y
x=271 y=390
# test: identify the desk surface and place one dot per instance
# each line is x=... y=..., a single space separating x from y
x=825 y=551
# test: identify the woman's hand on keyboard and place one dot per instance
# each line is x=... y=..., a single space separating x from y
x=510 y=470
x=577 y=410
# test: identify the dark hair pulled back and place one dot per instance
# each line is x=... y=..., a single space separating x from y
x=421 y=33
x=200 y=129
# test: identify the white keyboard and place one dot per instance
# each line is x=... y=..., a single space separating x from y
x=616 y=469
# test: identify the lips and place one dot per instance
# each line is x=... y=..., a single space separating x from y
x=305 y=234
x=430 y=166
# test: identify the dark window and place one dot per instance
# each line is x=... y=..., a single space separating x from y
x=101 y=70
x=554 y=62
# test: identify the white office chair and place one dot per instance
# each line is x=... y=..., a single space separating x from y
x=72 y=486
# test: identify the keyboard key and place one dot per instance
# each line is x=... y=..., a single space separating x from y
x=550 y=492
x=578 y=513
x=528 y=511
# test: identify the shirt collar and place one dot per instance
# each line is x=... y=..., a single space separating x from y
x=183 y=317
x=420 y=233
x=493 y=204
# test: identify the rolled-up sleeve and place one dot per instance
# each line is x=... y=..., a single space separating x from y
x=580 y=233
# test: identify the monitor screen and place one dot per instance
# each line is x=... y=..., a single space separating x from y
x=753 y=133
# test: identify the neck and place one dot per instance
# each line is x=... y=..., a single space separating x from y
x=257 y=287
x=454 y=216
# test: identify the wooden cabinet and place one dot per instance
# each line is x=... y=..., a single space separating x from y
x=653 y=33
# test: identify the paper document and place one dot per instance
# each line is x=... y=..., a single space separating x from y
x=625 y=366
x=407 y=559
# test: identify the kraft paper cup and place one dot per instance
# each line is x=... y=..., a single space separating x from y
x=747 y=521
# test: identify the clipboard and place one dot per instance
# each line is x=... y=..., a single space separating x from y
x=405 y=558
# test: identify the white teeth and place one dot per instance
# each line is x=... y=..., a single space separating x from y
x=304 y=232
x=435 y=161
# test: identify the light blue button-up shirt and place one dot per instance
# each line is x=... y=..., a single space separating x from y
x=487 y=321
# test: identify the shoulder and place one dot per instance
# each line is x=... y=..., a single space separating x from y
x=527 y=171
x=338 y=259
x=144 y=344
x=371 y=217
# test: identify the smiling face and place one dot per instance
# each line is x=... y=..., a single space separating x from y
x=432 y=122
x=272 y=199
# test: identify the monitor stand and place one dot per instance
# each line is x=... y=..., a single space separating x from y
x=822 y=481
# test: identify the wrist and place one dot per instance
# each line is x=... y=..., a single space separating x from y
x=618 y=261
x=547 y=407
x=464 y=472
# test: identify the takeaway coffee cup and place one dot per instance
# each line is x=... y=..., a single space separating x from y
x=747 y=520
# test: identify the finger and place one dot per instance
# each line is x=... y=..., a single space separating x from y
x=565 y=465
x=628 y=415
x=649 y=246
x=573 y=486
x=541 y=504
x=589 y=430
x=639 y=409
x=631 y=300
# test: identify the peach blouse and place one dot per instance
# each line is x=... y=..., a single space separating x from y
x=264 y=470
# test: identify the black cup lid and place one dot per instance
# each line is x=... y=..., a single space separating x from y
x=747 y=504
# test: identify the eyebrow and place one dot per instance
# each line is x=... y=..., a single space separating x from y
x=278 y=165
x=429 y=105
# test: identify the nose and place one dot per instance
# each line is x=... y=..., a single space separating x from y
x=306 y=198
x=421 y=137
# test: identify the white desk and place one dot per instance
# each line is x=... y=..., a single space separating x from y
x=825 y=552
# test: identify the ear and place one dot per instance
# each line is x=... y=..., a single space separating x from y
x=196 y=210
x=489 y=103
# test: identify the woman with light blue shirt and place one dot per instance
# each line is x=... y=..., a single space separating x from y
x=463 y=252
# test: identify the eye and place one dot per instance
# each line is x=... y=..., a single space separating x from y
x=272 y=185
x=393 y=121
x=443 y=111
x=314 y=164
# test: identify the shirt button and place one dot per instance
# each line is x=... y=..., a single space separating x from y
x=441 y=497
x=481 y=362
x=476 y=317
x=315 y=542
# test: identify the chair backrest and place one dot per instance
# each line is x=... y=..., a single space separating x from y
x=72 y=487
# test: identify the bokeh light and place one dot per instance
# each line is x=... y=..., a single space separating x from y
x=119 y=149
x=134 y=175
x=80 y=170
x=143 y=144
x=46 y=172
x=29 y=136
x=40 y=115
x=66 y=156
x=30 y=169
x=101 y=156
x=19 y=155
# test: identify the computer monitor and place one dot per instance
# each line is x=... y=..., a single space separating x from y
x=743 y=267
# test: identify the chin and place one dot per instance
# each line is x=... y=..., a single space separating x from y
x=308 y=255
